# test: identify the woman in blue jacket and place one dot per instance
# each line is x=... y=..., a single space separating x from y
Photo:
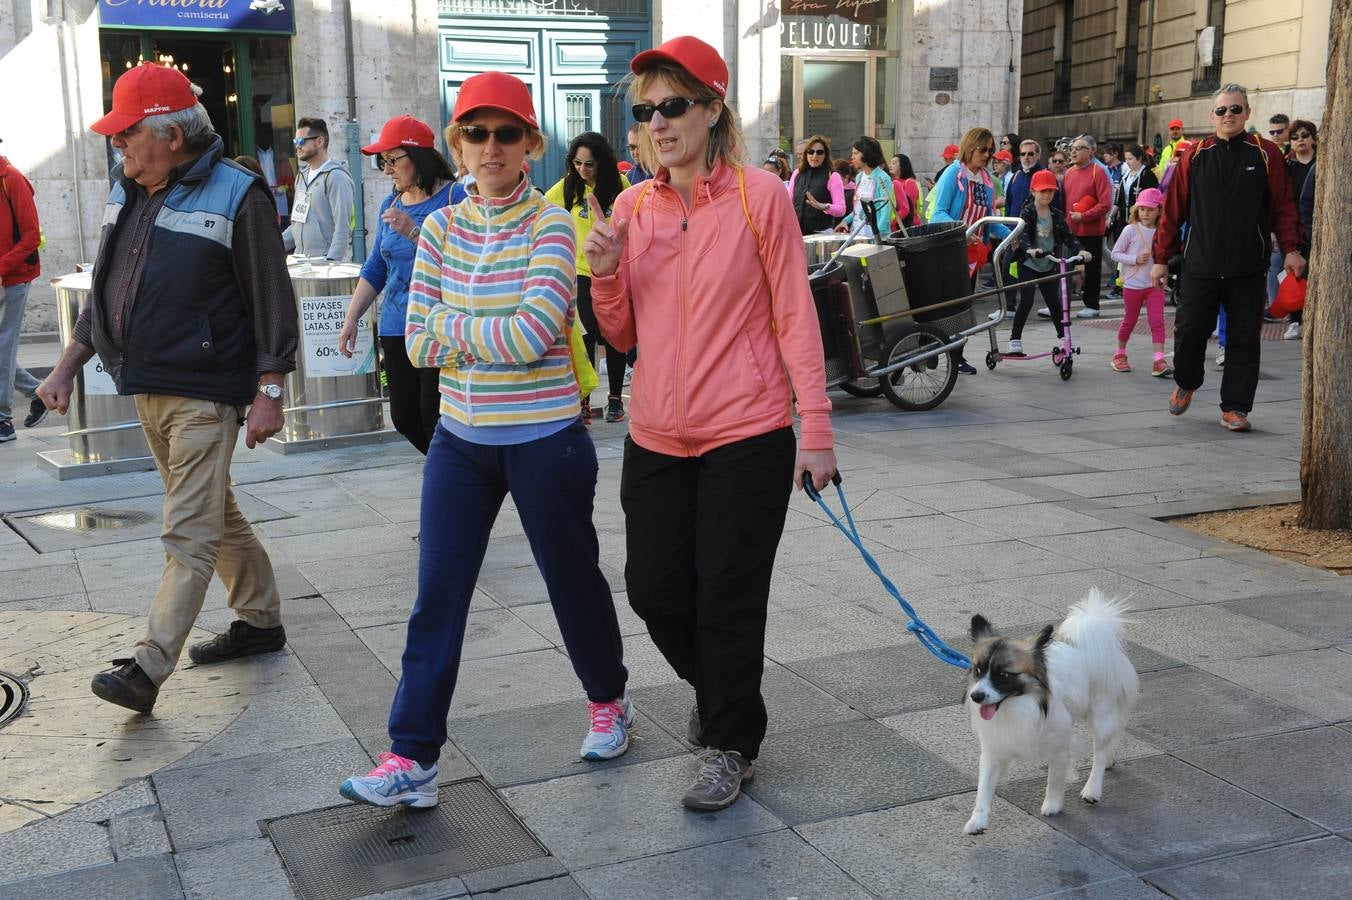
x=965 y=192
x=423 y=183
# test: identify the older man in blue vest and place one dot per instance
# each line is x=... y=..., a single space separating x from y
x=192 y=314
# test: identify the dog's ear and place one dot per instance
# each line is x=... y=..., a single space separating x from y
x=981 y=629
x=1044 y=637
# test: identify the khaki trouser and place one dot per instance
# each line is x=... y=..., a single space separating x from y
x=204 y=531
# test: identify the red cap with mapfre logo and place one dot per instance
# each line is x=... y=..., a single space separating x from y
x=495 y=90
x=150 y=89
x=401 y=131
x=691 y=54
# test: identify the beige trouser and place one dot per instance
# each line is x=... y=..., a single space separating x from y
x=204 y=531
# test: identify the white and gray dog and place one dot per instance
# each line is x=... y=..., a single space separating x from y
x=1026 y=695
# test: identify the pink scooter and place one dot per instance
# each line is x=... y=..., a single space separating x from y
x=1063 y=357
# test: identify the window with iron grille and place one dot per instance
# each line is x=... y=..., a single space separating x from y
x=577 y=9
x=1124 y=87
x=1206 y=74
x=1061 y=86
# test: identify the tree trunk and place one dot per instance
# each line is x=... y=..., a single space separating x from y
x=1326 y=374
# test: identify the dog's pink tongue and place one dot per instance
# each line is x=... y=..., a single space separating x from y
x=988 y=711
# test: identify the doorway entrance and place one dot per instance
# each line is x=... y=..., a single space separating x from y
x=832 y=96
x=246 y=89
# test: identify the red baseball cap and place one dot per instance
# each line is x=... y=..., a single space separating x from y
x=951 y=151
x=1175 y=123
x=401 y=131
x=149 y=89
x=1044 y=181
x=1005 y=156
x=691 y=54
x=495 y=90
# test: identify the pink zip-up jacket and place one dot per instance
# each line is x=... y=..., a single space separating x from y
x=726 y=328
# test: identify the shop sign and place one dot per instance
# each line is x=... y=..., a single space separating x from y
x=833 y=25
x=270 y=16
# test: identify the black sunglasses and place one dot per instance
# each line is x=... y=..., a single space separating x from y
x=671 y=108
x=1301 y=135
x=507 y=135
x=1028 y=153
x=1233 y=109
x=819 y=151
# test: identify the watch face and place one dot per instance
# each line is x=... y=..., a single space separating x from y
x=271 y=391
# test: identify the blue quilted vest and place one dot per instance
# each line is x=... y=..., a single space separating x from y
x=188 y=333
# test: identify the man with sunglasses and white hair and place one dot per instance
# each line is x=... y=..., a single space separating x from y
x=322 y=219
x=192 y=314
x=1233 y=190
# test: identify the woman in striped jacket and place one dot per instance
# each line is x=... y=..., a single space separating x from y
x=491 y=306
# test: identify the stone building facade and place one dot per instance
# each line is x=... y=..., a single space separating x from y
x=914 y=73
x=1121 y=70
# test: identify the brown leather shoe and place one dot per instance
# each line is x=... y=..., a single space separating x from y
x=240 y=639
x=127 y=685
x=1179 y=401
x=1235 y=421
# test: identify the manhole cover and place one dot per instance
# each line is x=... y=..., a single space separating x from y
x=350 y=851
x=13 y=695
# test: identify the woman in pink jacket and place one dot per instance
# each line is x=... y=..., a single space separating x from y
x=703 y=268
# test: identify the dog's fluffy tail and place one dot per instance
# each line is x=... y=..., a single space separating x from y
x=1094 y=627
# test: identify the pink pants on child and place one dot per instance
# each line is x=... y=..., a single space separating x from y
x=1132 y=298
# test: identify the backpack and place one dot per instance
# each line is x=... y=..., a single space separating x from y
x=32 y=258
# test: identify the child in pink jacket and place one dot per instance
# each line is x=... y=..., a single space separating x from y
x=1132 y=250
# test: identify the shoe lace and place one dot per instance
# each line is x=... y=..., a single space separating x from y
x=717 y=766
x=603 y=716
x=389 y=764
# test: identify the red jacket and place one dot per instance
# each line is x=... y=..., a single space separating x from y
x=1232 y=194
x=17 y=193
x=1090 y=181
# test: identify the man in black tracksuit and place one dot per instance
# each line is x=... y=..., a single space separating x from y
x=1232 y=190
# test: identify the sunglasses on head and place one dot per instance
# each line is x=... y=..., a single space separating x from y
x=506 y=135
x=671 y=108
x=1233 y=109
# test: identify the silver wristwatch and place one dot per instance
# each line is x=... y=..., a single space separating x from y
x=271 y=391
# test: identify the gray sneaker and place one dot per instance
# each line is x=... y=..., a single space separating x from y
x=719 y=781
x=692 y=728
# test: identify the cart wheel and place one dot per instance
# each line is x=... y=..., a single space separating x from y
x=864 y=387
x=1067 y=368
x=991 y=359
x=922 y=385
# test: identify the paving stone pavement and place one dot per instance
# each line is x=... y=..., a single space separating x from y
x=1012 y=499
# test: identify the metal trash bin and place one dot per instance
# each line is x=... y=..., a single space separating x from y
x=331 y=400
x=104 y=431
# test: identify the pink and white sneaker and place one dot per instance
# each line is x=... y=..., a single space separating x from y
x=394 y=781
x=608 y=736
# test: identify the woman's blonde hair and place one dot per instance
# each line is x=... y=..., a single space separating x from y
x=972 y=141
x=725 y=137
x=452 y=135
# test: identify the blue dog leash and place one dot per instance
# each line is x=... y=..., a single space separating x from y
x=931 y=641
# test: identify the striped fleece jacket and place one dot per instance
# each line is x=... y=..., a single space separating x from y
x=491 y=305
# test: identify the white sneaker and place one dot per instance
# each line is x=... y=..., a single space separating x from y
x=1220 y=359
x=608 y=734
x=394 y=782
x=1015 y=345
x=1292 y=332
x=1044 y=313
x=1087 y=313
x=995 y=316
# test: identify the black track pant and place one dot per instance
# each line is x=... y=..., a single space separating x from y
x=415 y=402
x=701 y=534
x=1242 y=298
